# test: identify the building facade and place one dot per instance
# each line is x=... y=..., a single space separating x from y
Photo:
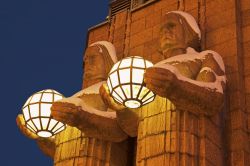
x=175 y=137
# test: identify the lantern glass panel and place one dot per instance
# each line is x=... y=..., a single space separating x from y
x=45 y=122
x=148 y=64
x=52 y=123
x=114 y=79
x=34 y=110
x=31 y=125
x=115 y=67
x=117 y=98
x=148 y=96
x=120 y=93
x=109 y=84
x=62 y=128
x=45 y=134
x=127 y=90
x=47 y=97
x=137 y=76
x=57 y=127
x=132 y=104
x=144 y=91
x=138 y=62
x=124 y=75
x=37 y=123
x=36 y=98
x=57 y=97
x=26 y=113
x=136 y=89
x=125 y=63
x=151 y=99
x=45 y=109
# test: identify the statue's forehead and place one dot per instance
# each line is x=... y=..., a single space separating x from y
x=170 y=18
x=92 y=51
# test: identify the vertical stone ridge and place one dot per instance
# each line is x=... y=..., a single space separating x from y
x=127 y=35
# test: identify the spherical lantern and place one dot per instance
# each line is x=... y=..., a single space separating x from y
x=126 y=85
x=37 y=112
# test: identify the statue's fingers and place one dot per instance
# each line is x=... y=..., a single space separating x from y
x=66 y=113
x=105 y=86
x=20 y=120
x=104 y=89
x=104 y=94
x=158 y=83
x=167 y=75
x=157 y=90
x=21 y=125
x=64 y=117
x=156 y=70
x=101 y=89
x=63 y=107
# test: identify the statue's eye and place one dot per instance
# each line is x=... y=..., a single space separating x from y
x=170 y=25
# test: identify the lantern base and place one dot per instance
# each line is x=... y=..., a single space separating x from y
x=44 y=134
x=132 y=104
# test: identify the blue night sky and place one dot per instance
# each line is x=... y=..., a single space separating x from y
x=41 y=46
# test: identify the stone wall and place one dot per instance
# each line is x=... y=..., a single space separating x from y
x=73 y=148
x=182 y=138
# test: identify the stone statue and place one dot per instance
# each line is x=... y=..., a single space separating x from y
x=175 y=128
x=99 y=58
x=191 y=80
x=189 y=84
x=187 y=81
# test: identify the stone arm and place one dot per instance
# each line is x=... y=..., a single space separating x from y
x=194 y=85
x=93 y=122
x=47 y=145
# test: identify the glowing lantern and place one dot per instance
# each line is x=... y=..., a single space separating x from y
x=37 y=112
x=126 y=85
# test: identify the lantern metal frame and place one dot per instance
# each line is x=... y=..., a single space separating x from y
x=51 y=124
x=140 y=101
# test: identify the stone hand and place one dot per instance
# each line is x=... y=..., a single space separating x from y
x=160 y=80
x=108 y=100
x=93 y=122
x=66 y=112
x=25 y=131
x=185 y=94
x=47 y=145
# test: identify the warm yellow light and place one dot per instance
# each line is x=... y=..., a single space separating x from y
x=37 y=112
x=125 y=82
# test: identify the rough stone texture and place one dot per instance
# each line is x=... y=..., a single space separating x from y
x=73 y=148
x=167 y=136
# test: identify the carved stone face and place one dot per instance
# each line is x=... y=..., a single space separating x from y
x=94 y=64
x=172 y=34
